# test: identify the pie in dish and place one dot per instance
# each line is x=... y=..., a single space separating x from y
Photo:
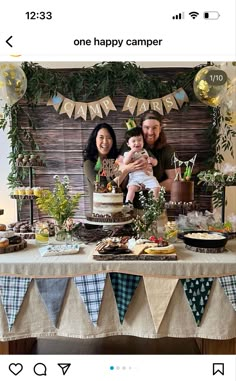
x=205 y=235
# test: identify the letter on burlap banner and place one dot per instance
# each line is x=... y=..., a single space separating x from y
x=91 y=288
x=229 y=285
x=197 y=291
x=12 y=291
x=124 y=286
x=159 y=292
x=52 y=292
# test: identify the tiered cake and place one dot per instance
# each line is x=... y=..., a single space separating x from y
x=107 y=196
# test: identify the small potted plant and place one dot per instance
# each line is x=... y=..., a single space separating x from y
x=59 y=203
x=146 y=224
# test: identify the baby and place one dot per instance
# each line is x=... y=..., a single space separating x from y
x=140 y=178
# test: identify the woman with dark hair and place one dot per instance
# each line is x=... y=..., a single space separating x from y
x=101 y=144
x=156 y=143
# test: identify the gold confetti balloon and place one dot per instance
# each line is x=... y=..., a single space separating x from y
x=206 y=92
x=13 y=83
x=228 y=107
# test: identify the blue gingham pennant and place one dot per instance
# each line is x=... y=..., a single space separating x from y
x=197 y=291
x=124 y=286
x=52 y=292
x=229 y=285
x=12 y=291
x=91 y=289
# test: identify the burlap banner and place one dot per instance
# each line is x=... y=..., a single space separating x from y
x=171 y=101
x=79 y=109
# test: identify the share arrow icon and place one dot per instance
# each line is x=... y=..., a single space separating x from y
x=64 y=367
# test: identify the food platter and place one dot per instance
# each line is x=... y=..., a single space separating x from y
x=205 y=239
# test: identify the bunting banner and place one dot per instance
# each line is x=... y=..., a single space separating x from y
x=12 y=291
x=67 y=106
x=197 y=291
x=171 y=101
x=52 y=292
x=159 y=292
x=124 y=286
x=229 y=285
x=91 y=288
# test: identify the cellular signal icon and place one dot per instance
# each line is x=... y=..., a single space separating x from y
x=193 y=14
x=179 y=16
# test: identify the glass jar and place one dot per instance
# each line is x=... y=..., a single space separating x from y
x=41 y=233
x=171 y=231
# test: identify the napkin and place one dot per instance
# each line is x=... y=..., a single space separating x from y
x=50 y=250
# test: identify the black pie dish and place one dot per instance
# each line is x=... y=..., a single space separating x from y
x=205 y=243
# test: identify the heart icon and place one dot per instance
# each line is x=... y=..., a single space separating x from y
x=180 y=95
x=15 y=368
x=56 y=99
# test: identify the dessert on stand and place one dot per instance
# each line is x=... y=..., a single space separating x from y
x=29 y=193
x=108 y=206
x=9 y=241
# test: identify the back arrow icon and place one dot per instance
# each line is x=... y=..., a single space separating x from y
x=7 y=41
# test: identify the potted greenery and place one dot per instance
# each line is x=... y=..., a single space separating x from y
x=146 y=224
x=59 y=203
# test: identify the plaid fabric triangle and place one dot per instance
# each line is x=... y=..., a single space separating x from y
x=229 y=285
x=91 y=289
x=197 y=291
x=52 y=292
x=13 y=290
x=124 y=286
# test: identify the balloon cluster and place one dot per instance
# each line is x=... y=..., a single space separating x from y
x=13 y=83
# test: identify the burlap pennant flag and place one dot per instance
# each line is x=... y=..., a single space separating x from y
x=95 y=109
x=91 y=288
x=56 y=101
x=169 y=103
x=67 y=107
x=130 y=104
x=81 y=110
x=229 y=285
x=180 y=96
x=197 y=291
x=156 y=104
x=12 y=291
x=124 y=286
x=159 y=292
x=143 y=105
x=107 y=105
x=52 y=292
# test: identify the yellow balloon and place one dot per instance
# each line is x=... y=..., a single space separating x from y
x=13 y=83
x=228 y=107
x=207 y=93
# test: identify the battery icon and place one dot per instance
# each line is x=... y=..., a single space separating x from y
x=211 y=15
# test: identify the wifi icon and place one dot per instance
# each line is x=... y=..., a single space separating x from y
x=193 y=14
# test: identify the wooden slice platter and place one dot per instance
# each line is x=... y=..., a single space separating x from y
x=137 y=254
x=13 y=248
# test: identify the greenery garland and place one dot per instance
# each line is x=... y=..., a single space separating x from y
x=98 y=80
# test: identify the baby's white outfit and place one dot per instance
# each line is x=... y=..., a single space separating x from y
x=141 y=177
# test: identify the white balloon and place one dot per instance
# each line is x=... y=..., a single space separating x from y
x=13 y=83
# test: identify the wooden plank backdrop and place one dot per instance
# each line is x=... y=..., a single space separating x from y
x=62 y=140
